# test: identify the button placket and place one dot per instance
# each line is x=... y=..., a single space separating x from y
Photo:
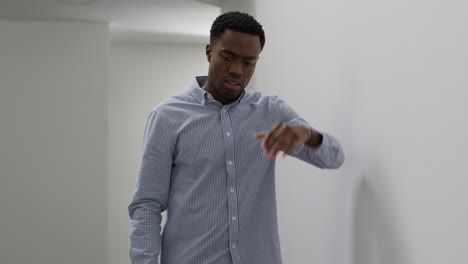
x=231 y=181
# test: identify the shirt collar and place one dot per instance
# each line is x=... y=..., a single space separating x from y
x=196 y=89
x=203 y=96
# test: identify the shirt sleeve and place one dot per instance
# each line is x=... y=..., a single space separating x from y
x=328 y=155
x=151 y=192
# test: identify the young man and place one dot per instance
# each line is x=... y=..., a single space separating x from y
x=209 y=156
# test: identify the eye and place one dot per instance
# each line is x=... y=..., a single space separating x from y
x=248 y=63
x=227 y=58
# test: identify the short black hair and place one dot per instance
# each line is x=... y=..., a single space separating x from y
x=237 y=21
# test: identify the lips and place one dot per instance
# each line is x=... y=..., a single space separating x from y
x=233 y=83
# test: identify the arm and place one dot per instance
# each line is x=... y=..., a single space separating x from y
x=327 y=155
x=294 y=136
x=151 y=193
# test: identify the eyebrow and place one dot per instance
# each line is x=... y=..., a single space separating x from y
x=234 y=54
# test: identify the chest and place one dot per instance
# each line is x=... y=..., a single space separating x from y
x=218 y=136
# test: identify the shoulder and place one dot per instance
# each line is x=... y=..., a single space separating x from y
x=173 y=103
x=173 y=111
x=256 y=97
x=272 y=105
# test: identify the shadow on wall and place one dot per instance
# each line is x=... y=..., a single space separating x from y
x=377 y=238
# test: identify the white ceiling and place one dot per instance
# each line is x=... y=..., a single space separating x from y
x=129 y=20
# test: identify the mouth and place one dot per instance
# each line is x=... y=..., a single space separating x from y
x=233 y=84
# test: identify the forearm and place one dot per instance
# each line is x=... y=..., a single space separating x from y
x=319 y=149
x=151 y=192
x=327 y=154
x=145 y=235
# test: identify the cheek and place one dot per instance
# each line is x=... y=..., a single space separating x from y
x=220 y=68
x=214 y=68
x=249 y=71
x=216 y=74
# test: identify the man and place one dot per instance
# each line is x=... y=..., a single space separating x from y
x=209 y=156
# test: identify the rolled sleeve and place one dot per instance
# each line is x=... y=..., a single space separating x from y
x=329 y=155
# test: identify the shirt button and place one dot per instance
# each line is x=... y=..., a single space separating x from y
x=228 y=134
x=233 y=245
x=224 y=111
x=234 y=218
x=232 y=190
x=230 y=162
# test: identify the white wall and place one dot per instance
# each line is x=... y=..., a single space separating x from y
x=246 y=6
x=300 y=61
x=412 y=76
x=141 y=76
x=53 y=191
x=390 y=80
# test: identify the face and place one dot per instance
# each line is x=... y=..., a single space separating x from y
x=232 y=59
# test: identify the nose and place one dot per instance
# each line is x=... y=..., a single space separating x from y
x=235 y=68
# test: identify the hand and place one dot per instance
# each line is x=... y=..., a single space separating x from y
x=283 y=136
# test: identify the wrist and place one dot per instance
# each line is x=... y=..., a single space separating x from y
x=314 y=139
x=308 y=134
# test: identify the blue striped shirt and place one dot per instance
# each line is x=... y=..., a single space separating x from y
x=203 y=165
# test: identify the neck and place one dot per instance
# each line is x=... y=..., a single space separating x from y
x=208 y=86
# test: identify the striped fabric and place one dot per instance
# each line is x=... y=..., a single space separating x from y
x=203 y=165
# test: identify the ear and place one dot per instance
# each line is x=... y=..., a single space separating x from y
x=209 y=51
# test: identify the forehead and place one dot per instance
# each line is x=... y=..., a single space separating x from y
x=240 y=43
